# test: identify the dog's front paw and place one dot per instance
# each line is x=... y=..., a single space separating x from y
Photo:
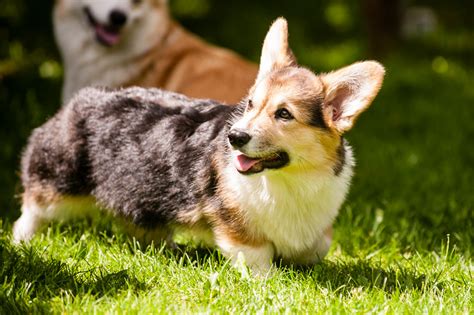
x=261 y=269
x=248 y=259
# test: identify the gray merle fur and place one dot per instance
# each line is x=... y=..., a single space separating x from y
x=144 y=153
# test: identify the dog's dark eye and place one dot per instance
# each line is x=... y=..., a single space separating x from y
x=283 y=113
x=249 y=105
x=137 y=1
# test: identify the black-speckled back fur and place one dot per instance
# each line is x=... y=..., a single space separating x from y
x=145 y=153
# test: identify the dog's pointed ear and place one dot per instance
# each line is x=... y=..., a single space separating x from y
x=349 y=91
x=276 y=52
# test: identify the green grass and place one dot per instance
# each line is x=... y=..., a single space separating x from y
x=403 y=240
x=80 y=269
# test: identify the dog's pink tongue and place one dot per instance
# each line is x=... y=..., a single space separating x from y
x=109 y=37
x=243 y=163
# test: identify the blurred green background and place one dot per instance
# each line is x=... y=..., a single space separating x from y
x=414 y=147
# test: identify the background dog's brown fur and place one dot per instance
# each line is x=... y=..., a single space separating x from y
x=195 y=68
x=154 y=51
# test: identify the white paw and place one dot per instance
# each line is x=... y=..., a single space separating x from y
x=25 y=228
x=257 y=259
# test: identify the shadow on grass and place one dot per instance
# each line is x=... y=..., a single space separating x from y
x=195 y=255
x=346 y=277
x=333 y=275
x=29 y=280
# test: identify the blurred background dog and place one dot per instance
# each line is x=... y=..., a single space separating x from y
x=118 y=43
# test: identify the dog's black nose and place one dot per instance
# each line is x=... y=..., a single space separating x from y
x=238 y=138
x=117 y=18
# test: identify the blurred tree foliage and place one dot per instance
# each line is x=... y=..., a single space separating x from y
x=323 y=34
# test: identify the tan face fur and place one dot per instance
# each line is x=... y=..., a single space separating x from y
x=321 y=108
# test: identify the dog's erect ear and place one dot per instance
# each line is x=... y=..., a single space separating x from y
x=276 y=52
x=349 y=91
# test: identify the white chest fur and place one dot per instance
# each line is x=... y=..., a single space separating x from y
x=291 y=211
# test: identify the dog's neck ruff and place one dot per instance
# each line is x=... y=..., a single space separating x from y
x=290 y=210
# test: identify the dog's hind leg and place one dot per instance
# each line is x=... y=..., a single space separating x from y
x=28 y=223
x=43 y=205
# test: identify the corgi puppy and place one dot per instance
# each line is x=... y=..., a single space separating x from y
x=119 y=43
x=260 y=180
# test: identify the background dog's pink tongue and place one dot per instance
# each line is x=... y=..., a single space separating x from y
x=243 y=163
x=110 y=38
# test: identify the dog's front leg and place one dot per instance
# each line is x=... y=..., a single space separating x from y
x=317 y=252
x=258 y=257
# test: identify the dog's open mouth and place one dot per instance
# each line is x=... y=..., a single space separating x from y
x=107 y=35
x=249 y=165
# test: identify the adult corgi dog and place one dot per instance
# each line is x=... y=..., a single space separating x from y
x=261 y=180
x=119 y=43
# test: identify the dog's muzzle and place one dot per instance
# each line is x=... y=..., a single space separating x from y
x=107 y=34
